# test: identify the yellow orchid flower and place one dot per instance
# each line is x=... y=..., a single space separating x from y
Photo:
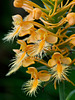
x=21 y=59
x=17 y=20
x=42 y=40
x=21 y=28
x=59 y=67
x=26 y=28
x=44 y=31
x=41 y=34
x=36 y=78
x=38 y=48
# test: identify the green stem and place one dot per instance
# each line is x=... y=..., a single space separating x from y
x=61 y=91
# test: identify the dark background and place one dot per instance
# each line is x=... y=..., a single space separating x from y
x=10 y=87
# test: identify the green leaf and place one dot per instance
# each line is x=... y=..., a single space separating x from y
x=48 y=4
x=70 y=95
x=58 y=2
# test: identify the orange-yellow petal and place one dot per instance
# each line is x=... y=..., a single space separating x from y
x=24 y=32
x=25 y=28
x=29 y=17
x=23 y=45
x=51 y=62
x=51 y=39
x=73 y=41
x=32 y=38
x=44 y=75
x=41 y=46
x=37 y=13
x=57 y=56
x=33 y=72
x=27 y=62
x=41 y=34
x=27 y=25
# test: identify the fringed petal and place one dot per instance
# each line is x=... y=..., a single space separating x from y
x=14 y=68
x=31 y=87
x=12 y=34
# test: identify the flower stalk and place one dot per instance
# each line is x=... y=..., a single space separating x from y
x=62 y=91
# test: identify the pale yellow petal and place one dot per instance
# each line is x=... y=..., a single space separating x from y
x=66 y=60
x=17 y=19
x=13 y=69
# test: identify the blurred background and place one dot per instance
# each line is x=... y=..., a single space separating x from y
x=10 y=87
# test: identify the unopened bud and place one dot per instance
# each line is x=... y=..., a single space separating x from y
x=37 y=13
x=18 y=3
x=71 y=18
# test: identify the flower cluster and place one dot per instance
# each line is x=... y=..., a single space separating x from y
x=48 y=34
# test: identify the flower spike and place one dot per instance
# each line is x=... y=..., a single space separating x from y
x=46 y=36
